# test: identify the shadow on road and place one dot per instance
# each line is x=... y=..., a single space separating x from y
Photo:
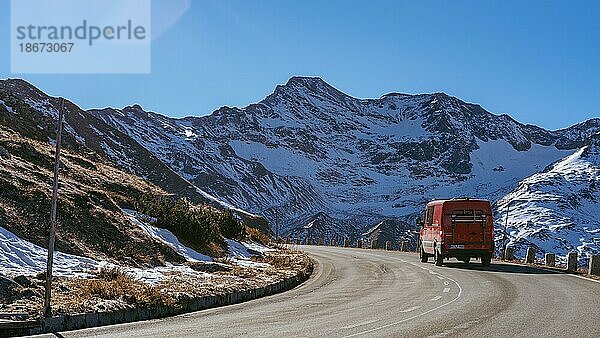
x=499 y=267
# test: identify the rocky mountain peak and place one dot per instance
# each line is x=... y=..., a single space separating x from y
x=309 y=91
x=134 y=107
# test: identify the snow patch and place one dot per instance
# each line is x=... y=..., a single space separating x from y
x=21 y=257
x=9 y=108
x=257 y=247
x=236 y=249
x=240 y=253
x=166 y=237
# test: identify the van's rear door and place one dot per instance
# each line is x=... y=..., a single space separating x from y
x=467 y=227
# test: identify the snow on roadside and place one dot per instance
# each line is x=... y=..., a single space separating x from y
x=240 y=253
x=156 y=274
x=252 y=246
x=237 y=249
x=21 y=257
x=166 y=236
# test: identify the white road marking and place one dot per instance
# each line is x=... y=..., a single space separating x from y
x=436 y=298
x=441 y=277
x=410 y=309
x=446 y=290
x=417 y=315
x=446 y=283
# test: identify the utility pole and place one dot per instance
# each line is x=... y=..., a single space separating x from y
x=47 y=305
x=276 y=224
x=505 y=231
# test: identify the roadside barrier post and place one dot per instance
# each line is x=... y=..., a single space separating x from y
x=388 y=245
x=530 y=258
x=346 y=243
x=572 y=261
x=404 y=246
x=359 y=243
x=332 y=242
x=373 y=244
x=594 y=268
x=550 y=259
x=321 y=241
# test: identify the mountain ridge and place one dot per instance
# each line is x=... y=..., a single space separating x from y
x=312 y=152
x=297 y=117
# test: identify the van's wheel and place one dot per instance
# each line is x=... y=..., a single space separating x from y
x=422 y=255
x=466 y=259
x=486 y=260
x=439 y=259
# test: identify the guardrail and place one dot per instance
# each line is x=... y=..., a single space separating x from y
x=509 y=254
x=403 y=246
x=550 y=260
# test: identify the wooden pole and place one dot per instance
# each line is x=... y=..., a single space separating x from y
x=503 y=253
x=276 y=224
x=47 y=305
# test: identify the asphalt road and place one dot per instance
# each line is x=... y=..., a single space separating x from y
x=359 y=292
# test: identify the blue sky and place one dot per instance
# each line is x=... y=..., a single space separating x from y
x=537 y=61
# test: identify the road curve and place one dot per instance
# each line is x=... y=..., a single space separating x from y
x=358 y=292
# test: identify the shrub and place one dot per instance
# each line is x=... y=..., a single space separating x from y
x=110 y=274
x=198 y=227
x=256 y=235
x=230 y=226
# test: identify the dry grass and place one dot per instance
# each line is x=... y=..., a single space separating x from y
x=256 y=235
x=91 y=191
x=113 y=284
x=285 y=260
x=112 y=289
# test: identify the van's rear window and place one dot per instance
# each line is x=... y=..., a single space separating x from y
x=469 y=215
x=468 y=212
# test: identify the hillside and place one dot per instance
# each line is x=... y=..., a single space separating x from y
x=90 y=220
x=310 y=150
x=93 y=192
x=557 y=210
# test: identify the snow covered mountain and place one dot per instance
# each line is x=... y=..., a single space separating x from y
x=308 y=149
x=33 y=113
x=326 y=161
x=393 y=231
x=557 y=210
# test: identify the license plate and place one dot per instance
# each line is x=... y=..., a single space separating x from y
x=457 y=246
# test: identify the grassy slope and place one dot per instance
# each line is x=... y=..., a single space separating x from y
x=90 y=220
x=92 y=189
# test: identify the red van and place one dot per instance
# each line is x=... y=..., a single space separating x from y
x=462 y=228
